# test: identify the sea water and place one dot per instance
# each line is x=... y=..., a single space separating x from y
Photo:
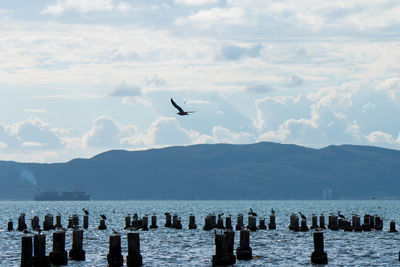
x=171 y=247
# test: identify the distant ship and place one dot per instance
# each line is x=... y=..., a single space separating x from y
x=61 y=196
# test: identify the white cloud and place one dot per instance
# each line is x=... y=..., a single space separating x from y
x=379 y=137
x=83 y=6
x=390 y=86
x=195 y=2
x=216 y=15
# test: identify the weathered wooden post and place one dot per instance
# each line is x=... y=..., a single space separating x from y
x=178 y=224
x=333 y=223
x=192 y=222
x=244 y=252
x=26 y=251
x=70 y=223
x=220 y=222
x=58 y=221
x=145 y=221
x=367 y=223
x=76 y=252
x=85 y=221
x=127 y=222
x=392 y=228
x=114 y=257
x=228 y=223
x=35 y=223
x=319 y=256
x=75 y=220
x=59 y=255
x=224 y=249
x=10 y=226
x=21 y=222
x=356 y=220
x=294 y=223
x=208 y=224
x=239 y=222
x=314 y=222
x=174 y=220
x=261 y=224
x=322 y=222
x=48 y=222
x=271 y=224
x=39 y=251
x=303 y=226
x=372 y=221
x=168 y=220
x=135 y=221
x=213 y=220
x=251 y=223
x=153 y=222
x=378 y=223
x=102 y=225
x=133 y=259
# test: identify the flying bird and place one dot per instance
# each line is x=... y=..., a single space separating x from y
x=181 y=111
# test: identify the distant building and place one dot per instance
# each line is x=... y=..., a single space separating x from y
x=327 y=193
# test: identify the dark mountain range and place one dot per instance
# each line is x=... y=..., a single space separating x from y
x=218 y=171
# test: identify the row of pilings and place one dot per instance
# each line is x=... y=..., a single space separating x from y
x=224 y=254
x=370 y=222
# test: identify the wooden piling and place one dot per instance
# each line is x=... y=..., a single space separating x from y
x=21 y=222
x=174 y=220
x=228 y=223
x=208 y=223
x=26 y=251
x=303 y=226
x=392 y=228
x=322 y=222
x=70 y=223
x=314 y=222
x=252 y=223
x=59 y=255
x=133 y=259
x=271 y=224
x=378 y=223
x=127 y=222
x=153 y=222
x=239 y=222
x=75 y=220
x=76 y=252
x=261 y=224
x=244 y=252
x=35 y=223
x=366 y=226
x=102 y=225
x=85 y=221
x=145 y=221
x=220 y=223
x=10 y=226
x=178 y=224
x=319 y=256
x=135 y=221
x=39 y=251
x=168 y=220
x=58 y=221
x=114 y=257
x=333 y=222
x=48 y=222
x=224 y=249
x=192 y=222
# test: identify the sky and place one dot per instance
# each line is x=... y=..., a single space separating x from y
x=80 y=77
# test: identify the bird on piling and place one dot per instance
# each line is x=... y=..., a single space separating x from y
x=252 y=213
x=103 y=216
x=85 y=211
x=340 y=215
x=181 y=111
x=272 y=211
x=220 y=215
x=302 y=216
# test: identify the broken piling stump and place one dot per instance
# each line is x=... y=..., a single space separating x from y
x=168 y=220
x=228 y=223
x=133 y=259
x=392 y=228
x=102 y=225
x=127 y=222
x=85 y=221
x=192 y=222
x=239 y=222
x=261 y=224
x=224 y=249
x=21 y=222
x=10 y=226
x=58 y=221
x=271 y=224
x=252 y=223
x=244 y=252
x=114 y=257
x=59 y=255
x=77 y=253
x=26 y=251
x=319 y=256
x=153 y=222
x=39 y=251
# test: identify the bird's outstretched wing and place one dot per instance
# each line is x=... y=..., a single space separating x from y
x=176 y=106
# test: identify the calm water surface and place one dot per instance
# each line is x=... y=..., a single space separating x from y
x=170 y=247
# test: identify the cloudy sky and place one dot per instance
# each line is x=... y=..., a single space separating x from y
x=79 y=77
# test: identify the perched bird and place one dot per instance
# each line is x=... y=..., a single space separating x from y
x=340 y=215
x=302 y=216
x=85 y=211
x=181 y=111
x=103 y=216
x=272 y=211
x=220 y=215
x=252 y=213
